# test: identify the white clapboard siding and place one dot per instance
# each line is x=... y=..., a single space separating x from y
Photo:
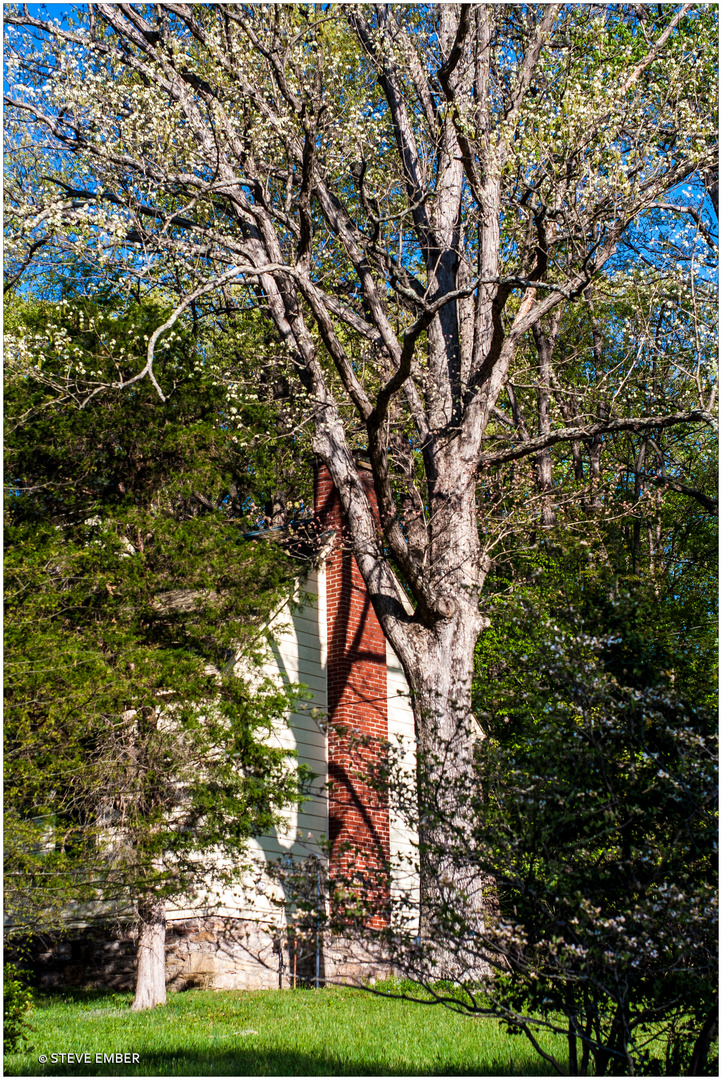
x=402 y=735
x=297 y=654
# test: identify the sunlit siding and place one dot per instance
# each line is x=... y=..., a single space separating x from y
x=297 y=655
x=403 y=851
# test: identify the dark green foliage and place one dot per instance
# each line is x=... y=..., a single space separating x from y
x=599 y=810
x=17 y=1002
x=659 y=631
x=599 y=817
x=131 y=747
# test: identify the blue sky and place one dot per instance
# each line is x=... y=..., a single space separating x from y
x=52 y=11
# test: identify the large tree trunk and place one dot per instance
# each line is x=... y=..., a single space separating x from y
x=436 y=648
x=453 y=894
x=150 y=979
x=439 y=664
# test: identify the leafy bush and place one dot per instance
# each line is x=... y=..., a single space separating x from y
x=18 y=1000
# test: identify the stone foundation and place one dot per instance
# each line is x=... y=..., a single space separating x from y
x=220 y=954
x=89 y=958
x=206 y=953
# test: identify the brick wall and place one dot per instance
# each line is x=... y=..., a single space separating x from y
x=357 y=703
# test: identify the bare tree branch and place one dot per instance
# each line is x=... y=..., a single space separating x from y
x=590 y=431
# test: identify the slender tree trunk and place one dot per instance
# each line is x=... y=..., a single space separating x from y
x=636 y=544
x=595 y=447
x=545 y=476
x=710 y=1027
x=150 y=978
x=572 y=1032
x=595 y=472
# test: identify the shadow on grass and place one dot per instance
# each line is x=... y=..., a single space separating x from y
x=72 y=995
x=248 y=1062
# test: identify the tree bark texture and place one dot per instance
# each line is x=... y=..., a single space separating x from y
x=150 y=977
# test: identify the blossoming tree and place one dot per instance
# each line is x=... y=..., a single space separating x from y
x=409 y=194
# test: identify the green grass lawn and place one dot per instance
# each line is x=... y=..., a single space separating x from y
x=329 y=1032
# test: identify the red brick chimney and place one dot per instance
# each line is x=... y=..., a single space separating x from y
x=357 y=700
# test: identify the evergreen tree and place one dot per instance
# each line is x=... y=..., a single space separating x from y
x=131 y=746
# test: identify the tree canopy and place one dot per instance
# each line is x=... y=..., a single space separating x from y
x=479 y=242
